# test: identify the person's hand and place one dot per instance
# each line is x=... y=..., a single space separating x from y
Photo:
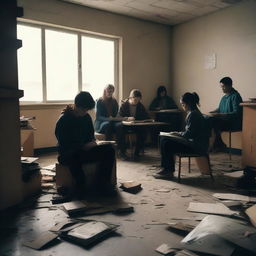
x=89 y=145
x=130 y=118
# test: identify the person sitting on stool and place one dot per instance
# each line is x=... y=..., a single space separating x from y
x=194 y=139
x=76 y=144
x=228 y=116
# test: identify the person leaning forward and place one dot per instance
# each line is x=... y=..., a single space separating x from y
x=76 y=144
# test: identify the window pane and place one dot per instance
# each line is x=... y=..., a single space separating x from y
x=97 y=65
x=61 y=65
x=30 y=63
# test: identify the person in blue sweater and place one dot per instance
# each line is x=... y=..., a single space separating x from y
x=228 y=115
x=107 y=121
x=194 y=139
x=76 y=144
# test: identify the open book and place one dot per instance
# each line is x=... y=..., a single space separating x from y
x=89 y=232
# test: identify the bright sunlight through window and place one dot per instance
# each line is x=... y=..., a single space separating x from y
x=49 y=65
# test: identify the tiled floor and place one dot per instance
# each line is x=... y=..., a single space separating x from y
x=141 y=232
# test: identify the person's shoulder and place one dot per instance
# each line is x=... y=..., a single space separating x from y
x=124 y=102
x=99 y=100
x=196 y=114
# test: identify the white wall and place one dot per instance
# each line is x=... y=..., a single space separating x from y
x=231 y=34
x=145 y=51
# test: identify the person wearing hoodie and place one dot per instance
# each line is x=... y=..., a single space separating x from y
x=76 y=143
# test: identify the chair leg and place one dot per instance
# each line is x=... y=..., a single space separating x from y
x=189 y=164
x=210 y=169
x=229 y=151
x=130 y=142
x=179 y=169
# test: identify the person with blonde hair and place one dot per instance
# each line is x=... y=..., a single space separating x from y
x=107 y=121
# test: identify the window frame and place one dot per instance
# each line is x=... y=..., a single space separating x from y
x=117 y=59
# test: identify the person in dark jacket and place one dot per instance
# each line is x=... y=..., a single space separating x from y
x=76 y=143
x=228 y=116
x=194 y=139
x=107 y=121
x=132 y=109
x=162 y=100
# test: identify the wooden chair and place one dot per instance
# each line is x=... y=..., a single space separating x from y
x=203 y=162
x=230 y=131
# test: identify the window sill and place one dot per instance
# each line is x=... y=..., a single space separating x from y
x=37 y=106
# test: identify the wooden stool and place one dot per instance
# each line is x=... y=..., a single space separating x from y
x=65 y=179
x=203 y=162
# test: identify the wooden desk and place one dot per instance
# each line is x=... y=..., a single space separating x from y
x=249 y=134
x=144 y=124
x=176 y=110
x=27 y=142
x=171 y=116
x=134 y=125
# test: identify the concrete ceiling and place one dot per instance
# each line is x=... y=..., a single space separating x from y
x=169 y=12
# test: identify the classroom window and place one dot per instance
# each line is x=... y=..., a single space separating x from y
x=61 y=65
x=55 y=64
x=30 y=63
x=97 y=64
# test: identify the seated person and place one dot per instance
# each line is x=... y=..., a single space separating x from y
x=106 y=112
x=194 y=139
x=229 y=113
x=162 y=100
x=76 y=143
x=132 y=109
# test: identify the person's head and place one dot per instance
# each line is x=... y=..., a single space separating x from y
x=83 y=103
x=226 y=84
x=189 y=101
x=135 y=96
x=161 y=91
x=108 y=91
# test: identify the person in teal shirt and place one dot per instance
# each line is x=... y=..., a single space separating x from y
x=228 y=116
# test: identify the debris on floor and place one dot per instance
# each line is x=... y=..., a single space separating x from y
x=220 y=236
x=41 y=241
x=88 y=233
x=180 y=227
x=211 y=208
x=165 y=249
x=131 y=187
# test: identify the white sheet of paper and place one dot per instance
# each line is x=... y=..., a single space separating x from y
x=211 y=208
